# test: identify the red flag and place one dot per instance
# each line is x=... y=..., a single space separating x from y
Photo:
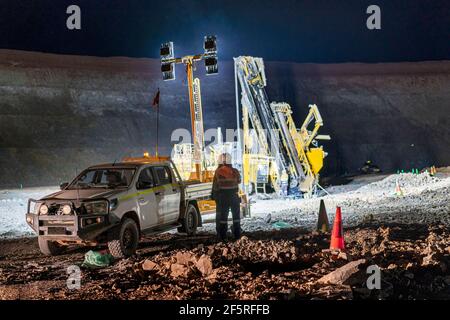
x=156 y=99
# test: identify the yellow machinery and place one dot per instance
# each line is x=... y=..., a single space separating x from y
x=271 y=142
x=309 y=156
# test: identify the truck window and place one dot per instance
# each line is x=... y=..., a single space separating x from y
x=163 y=175
x=103 y=178
x=145 y=180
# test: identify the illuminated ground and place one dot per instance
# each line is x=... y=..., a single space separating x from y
x=365 y=199
x=406 y=236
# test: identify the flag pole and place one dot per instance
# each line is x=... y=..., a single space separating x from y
x=157 y=127
x=156 y=103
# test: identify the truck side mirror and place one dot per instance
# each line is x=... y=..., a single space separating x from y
x=144 y=185
x=63 y=185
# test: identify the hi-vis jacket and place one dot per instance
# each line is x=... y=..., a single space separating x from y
x=226 y=178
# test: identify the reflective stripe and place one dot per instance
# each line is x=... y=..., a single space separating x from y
x=228 y=187
x=144 y=192
x=237 y=220
x=223 y=222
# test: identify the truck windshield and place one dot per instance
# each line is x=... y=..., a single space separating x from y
x=109 y=178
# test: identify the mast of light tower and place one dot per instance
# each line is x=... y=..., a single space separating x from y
x=168 y=62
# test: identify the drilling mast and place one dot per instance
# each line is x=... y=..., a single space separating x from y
x=270 y=136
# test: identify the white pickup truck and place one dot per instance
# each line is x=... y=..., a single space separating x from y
x=117 y=203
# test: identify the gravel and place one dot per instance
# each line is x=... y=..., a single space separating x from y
x=424 y=200
x=366 y=199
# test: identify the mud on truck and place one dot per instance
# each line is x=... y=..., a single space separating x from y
x=118 y=203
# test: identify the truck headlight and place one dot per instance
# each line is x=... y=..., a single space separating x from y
x=113 y=204
x=98 y=207
x=43 y=209
x=66 y=209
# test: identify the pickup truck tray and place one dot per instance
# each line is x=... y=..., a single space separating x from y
x=196 y=190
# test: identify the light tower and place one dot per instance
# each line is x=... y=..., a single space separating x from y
x=168 y=62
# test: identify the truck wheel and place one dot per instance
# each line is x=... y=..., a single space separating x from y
x=190 y=221
x=125 y=242
x=50 y=248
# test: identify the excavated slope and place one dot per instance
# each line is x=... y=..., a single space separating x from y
x=61 y=113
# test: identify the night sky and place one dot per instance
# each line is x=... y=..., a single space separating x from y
x=318 y=31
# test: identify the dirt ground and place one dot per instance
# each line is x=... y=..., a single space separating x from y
x=285 y=264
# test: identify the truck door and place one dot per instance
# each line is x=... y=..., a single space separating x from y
x=146 y=199
x=167 y=194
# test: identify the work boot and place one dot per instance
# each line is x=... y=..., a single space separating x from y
x=220 y=238
x=222 y=233
x=237 y=233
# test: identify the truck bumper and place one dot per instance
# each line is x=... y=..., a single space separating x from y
x=69 y=228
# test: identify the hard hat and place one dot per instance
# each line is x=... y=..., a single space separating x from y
x=224 y=158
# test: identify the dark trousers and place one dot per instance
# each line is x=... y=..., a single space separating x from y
x=226 y=200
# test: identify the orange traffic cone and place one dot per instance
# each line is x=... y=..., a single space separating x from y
x=337 y=236
x=398 y=190
x=322 y=223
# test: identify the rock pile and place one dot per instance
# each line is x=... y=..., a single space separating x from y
x=408 y=180
x=183 y=264
x=413 y=261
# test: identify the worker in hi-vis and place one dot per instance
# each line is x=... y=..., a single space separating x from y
x=284 y=183
x=225 y=193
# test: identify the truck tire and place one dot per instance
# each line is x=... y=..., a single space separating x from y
x=50 y=248
x=190 y=221
x=125 y=241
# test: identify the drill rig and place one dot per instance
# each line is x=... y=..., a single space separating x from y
x=272 y=143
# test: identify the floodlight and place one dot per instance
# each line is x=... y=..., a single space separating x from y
x=211 y=65
x=166 y=51
x=168 y=71
x=210 y=45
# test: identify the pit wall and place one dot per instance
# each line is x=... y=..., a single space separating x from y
x=59 y=114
